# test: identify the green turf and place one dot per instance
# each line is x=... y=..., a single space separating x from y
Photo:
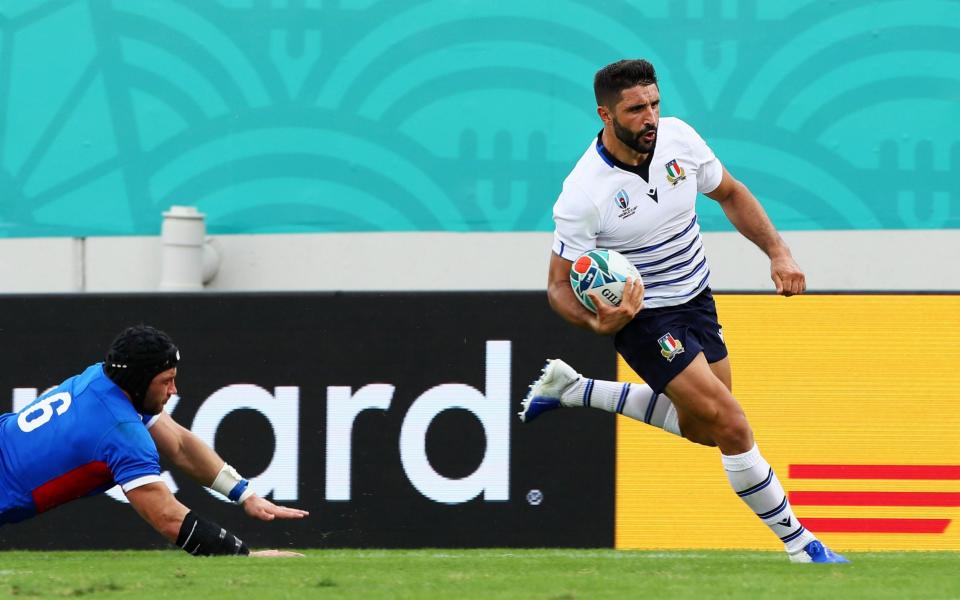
x=465 y=574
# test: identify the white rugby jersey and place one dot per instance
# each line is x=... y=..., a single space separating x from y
x=645 y=214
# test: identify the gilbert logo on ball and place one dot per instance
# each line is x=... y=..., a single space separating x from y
x=603 y=272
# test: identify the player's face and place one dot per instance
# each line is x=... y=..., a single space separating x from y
x=161 y=388
x=636 y=117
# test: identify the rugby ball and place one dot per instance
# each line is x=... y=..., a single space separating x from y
x=604 y=272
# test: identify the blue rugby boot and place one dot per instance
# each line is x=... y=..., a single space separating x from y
x=546 y=392
x=816 y=552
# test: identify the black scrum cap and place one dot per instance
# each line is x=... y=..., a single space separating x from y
x=136 y=356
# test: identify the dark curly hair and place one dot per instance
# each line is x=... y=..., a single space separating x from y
x=621 y=75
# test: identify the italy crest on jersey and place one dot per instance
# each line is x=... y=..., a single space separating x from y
x=670 y=347
x=675 y=172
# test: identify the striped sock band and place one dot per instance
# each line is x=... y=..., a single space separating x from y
x=588 y=392
x=757 y=485
x=634 y=400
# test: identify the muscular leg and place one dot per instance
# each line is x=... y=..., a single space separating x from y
x=699 y=400
x=561 y=385
x=638 y=401
x=710 y=414
x=693 y=430
x=707 y=411
x=721 y=369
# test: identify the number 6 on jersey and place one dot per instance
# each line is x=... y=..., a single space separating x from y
x=28 y=419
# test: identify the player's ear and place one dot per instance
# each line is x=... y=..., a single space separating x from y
x=604 y=113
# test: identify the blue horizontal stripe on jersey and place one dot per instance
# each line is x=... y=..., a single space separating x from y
x=666 y=258
x=687 y=296
x=672 y=267
x=699 y=266
x=663 y=243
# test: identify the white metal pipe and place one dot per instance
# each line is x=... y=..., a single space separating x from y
x=182 y=237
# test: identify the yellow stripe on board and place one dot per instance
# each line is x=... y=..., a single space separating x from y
x=824 y=380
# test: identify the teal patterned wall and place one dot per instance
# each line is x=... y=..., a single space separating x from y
x=460 y=115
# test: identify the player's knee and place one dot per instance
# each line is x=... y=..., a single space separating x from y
x=733 y=431
x=700 y=437
x=695 y=431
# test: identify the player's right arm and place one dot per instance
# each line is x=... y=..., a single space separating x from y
x=159 y=508
x=608 y=320
x=578 y=224
x=185 y=528
x=132 y=458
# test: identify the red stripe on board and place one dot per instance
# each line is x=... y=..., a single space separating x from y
x=875 y=498
x=836 y=525
x=875 y=471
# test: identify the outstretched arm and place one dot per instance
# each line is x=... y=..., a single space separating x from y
x=747 y=215
x=198 y=460
x=180 y=446
x=179 y=525
x=159 y=508
x=186 y=529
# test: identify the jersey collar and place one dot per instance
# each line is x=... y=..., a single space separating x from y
x=643 y=169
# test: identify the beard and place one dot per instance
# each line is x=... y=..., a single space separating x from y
x=146 y=406
x=632 y=140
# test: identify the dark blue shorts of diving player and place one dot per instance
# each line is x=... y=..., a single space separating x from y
x=659 y=343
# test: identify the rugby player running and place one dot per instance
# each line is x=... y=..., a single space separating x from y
x=634 y=191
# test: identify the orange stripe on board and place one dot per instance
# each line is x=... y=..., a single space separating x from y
x=875 y=471
x=836 y=525
x=875 y=498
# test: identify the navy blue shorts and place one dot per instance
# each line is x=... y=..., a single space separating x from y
x=659 y=343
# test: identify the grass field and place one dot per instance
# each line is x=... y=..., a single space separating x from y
x=466 y=574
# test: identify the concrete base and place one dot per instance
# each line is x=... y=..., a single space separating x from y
x=833 y=260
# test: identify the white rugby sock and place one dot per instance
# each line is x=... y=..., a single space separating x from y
x=754 y=481
x=634 y=400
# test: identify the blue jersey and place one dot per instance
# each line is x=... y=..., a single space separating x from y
x=78 y=439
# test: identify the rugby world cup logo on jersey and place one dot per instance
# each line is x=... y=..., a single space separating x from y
x=622 y=200
x=675 y=173
x=670 y=347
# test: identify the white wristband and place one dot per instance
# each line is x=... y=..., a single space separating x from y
x=229 y=483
